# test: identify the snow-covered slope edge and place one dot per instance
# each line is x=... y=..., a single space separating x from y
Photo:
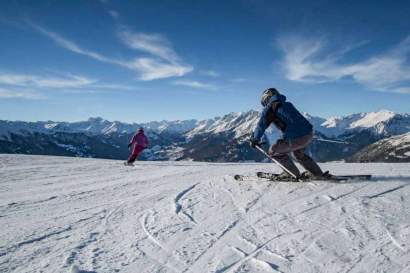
x=89 y=215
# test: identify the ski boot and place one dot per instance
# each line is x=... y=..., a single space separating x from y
x=284 y=176
x=308 y=176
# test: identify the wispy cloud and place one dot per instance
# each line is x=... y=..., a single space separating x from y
x=114 y=14
x=71 y=46
x=210 y=73
x=194 y=84
x=239 y=80
x=19 y=94
x=152 y=69
x=153 y=43
x=164 y=64
x=70 y=81
x=114 y=86
x=308 y=61
x=403 y=90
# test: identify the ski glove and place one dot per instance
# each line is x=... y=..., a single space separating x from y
x=253 y=142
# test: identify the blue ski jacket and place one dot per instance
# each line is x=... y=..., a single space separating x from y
x=286 y=118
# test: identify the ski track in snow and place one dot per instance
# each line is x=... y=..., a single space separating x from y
x=178 y=206
x=78 y=215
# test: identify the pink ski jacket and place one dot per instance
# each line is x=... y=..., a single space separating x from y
x=139 y=139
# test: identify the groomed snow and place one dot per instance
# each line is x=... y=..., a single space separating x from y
x=87 y=215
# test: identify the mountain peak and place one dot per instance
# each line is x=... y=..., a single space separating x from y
x=371 y=119
x=96 y=119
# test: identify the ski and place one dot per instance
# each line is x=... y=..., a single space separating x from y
x=354 y=177
x=305 y=177
x=240 y=177
x=260 y=176
x=277 y=178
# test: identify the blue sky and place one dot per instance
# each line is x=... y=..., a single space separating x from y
x=139 y=61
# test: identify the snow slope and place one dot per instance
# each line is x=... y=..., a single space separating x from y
x=87 y=215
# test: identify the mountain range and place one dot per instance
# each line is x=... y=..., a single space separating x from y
x=221 y=139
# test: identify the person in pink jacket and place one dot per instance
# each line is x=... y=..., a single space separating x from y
x=137 y=144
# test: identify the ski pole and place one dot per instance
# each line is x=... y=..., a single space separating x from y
x=277 y=162
x=329 y=140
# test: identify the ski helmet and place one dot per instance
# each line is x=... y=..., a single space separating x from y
x=140 y=129
x=267 y=94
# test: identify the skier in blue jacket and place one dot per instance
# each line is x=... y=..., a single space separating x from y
x=296 y=129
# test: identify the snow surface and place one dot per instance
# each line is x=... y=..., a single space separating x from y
x=90 y=215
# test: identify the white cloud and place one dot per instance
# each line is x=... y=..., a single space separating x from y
x=152 y=69
x=71 y=81
x=19 y=94
x=165 y=64
x=194 y=84
x=307 y=61
x=153 y=43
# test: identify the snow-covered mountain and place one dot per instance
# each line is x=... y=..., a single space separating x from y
x=381 y=123
x=392 y=149
x=95 y=126
x=77 y=215
x=240 y=123
x=218 y=139
x=359 y=130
